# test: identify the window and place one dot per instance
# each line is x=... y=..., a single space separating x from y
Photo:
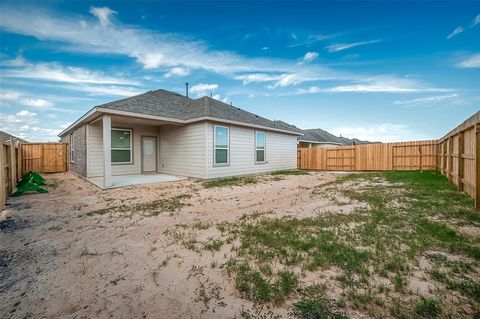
x=259 y=147
x=121 y=146
x=221 y=141
x=72 y=152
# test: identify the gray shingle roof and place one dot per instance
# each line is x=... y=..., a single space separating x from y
x=321 y=136
x=173 y=105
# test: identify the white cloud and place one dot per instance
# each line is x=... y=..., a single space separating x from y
x=25 y=113
x=26 y=125
x=287 y=80
x=476 y=21
x=150 y=49
x=380 y=84
x=19 y=60
x=309 y=57
x=56 y=72
x=344 y=46
x=472 y=61
x=103 y=14
x=20 y=98
x=37 y=103
x=177 y=71
x=257 y=77
x=281 y=80
x=9 y=96
x=427 y=100
x=312 y=39
x=203 y=89
x=456 y=31
x=384 y=132
x=107 y=90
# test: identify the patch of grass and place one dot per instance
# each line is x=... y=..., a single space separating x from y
x=399 y=282
x=152 y=208
x=290 y=172
x=213 y=244
x=231 y=181
x=408 y=214
x=254 y=286
x=299 y=241
x=428 y=308
x=314 y=305
x=53 y=183
x=466 y=286
x=318 y=308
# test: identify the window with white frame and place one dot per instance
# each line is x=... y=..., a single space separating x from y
x=260 y=147
x=222 y=144
x=121 y=145
x=72 y=149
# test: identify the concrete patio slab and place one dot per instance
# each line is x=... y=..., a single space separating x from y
x=136 y=179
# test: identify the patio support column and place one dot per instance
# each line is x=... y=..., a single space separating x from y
x=107 y=154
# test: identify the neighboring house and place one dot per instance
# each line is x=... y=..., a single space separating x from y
x=318 y=138
x=354 y=141
x=165 y=132
x=4 y=137
x=312 y=137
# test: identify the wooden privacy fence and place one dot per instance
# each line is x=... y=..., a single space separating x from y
x=16 y=159
x=459 y=156
x=44 y=157
x=416 y=155
x=9 y=170
x=456 y=155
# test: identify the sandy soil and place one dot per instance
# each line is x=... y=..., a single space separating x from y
x=57 y=259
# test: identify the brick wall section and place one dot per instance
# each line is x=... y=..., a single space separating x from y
x=79 y=163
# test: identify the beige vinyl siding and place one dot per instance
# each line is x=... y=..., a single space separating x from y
x=281 y=152
x=182 y=150
x=95 y=150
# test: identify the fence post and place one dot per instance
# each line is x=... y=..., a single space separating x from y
x=460 y=161
x=477 y=166
x=19 y=159
x=13 y=166
x=420 y=155
x=450 y=159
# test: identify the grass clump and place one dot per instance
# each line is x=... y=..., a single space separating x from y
x=254 y=286
x=428 y=308
x=213 y=244
x=314 y=305
x=230 y=181
x=318 y=308
x=151 y=208
x=290 y=172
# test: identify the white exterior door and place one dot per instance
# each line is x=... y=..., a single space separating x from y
x=149 y=154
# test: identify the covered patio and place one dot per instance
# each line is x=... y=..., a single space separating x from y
x=134 y=179
x=119 y=153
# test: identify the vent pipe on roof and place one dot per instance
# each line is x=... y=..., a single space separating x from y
x=186 y=89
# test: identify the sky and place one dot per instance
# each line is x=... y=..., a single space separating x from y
x=382 y=71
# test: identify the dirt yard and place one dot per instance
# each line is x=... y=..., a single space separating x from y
x=271 y=246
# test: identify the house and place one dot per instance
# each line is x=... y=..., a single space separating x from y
x=5 y=137
x=168 y=133
x=318 y=138
x=312 y=137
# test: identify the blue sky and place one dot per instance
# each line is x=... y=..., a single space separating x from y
x=387 y=71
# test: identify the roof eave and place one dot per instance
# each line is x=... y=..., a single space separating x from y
x=99 y=110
